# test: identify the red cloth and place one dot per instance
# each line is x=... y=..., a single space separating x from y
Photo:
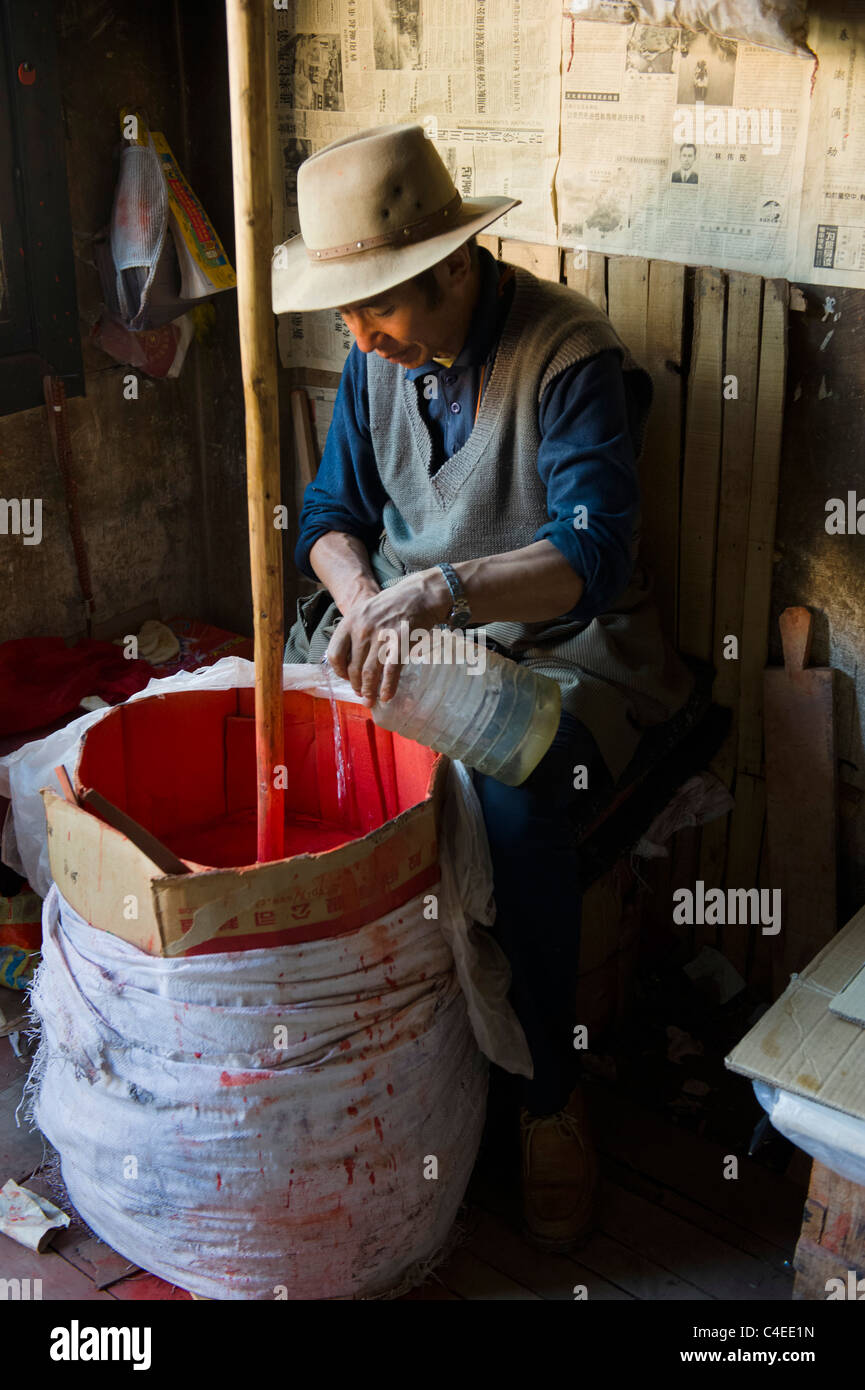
x=41 y=679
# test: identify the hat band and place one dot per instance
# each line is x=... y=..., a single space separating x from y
x=413 y=231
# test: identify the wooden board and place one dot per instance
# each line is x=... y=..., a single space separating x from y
x=628 y=300
x=761 y=1203
x=702 y=469
x=550 y=1276
x=660 y=465
x=61 y=1281
x=21 y=1149
x=832 y=1239
x=305 y=451
x=469 y=1276
x=761 y=524
x=743 y=859
x=586 y=271
x=543 y=261
x=489 y=243
x=742 y=348
x=801 y=797
x=712 y=1265
x=741 y=352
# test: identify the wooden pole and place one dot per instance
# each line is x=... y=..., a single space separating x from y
x=248 y=32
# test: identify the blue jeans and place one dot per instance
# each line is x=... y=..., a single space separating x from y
x=538 y=903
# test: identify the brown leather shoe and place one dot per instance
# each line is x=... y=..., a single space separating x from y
x=560 y=1175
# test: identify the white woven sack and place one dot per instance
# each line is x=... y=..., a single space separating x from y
x=292 y=1123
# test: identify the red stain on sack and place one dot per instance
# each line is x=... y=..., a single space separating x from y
x=344 y=1045
x=349 y=1168
x=218 y=1181
x=372 y=1178
x=243 y=1078
x=389 y=1089
x=351 y=1110
x=378 y=1128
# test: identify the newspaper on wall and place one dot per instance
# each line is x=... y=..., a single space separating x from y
x=681 y=146
x=675 y=145
x=483 y=80
x=831 y=247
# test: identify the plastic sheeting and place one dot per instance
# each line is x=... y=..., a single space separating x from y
x=835 y=1139
x=293 y=1123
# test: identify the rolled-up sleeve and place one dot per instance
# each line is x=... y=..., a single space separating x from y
x=587 y=463
x=346 y=494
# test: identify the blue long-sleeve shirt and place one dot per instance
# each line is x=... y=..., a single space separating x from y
x=587 y=420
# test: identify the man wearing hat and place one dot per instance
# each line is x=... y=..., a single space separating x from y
x=480 y=471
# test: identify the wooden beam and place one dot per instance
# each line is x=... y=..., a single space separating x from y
x=800 y=772
x=761 y=522
x=741 y=353
x=661 y=461
x=490 y=243
x=702 y=468
x=248 y=25
x=543 y=261
x=628 y=300
x=304 y=436
x=743 y=859
x=586 y=271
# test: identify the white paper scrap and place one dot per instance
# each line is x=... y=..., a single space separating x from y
x=29 y=1219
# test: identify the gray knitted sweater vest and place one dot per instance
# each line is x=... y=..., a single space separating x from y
x=487 y=497
x=616 y=672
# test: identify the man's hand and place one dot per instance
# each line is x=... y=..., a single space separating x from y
x=529 y=585
x=356 y=650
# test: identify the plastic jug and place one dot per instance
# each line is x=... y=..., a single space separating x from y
x=499 y=718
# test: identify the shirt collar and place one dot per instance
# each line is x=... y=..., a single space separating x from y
x=484 y=321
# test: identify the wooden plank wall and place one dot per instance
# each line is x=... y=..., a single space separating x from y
x=710 y=486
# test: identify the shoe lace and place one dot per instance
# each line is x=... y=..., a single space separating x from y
x=567 y=1126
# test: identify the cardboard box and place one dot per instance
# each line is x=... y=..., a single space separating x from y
x=183 y=761
x=800 y=1044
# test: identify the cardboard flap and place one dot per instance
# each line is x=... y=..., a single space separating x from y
x=800 y=1045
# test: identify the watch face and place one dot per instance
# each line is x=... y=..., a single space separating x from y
x=460 y=617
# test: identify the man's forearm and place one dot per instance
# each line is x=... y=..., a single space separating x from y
x=342 y=564
x=526 y=585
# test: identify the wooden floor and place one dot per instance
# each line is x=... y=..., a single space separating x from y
x=670 y=1225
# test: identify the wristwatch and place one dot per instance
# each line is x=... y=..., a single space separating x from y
x=460 y=615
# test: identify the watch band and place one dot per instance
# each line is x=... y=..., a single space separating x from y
x=460 y=615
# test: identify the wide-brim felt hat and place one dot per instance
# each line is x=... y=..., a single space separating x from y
x=375 y=209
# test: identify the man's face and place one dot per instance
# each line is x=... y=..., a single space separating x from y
x=402 y=327
x=687 y=155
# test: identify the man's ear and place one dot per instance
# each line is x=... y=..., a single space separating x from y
x=457 y=265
